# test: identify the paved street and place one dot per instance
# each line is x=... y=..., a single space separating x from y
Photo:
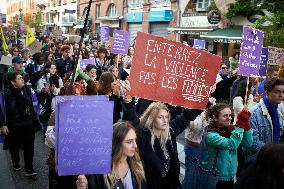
x=10 y=179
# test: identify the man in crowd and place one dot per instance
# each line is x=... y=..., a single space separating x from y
x=65 y=63
x=266 y=119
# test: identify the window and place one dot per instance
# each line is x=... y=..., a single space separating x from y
x=98 y=10
x=202 y=5
x=111 y=10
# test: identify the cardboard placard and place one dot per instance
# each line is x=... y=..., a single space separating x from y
x=276 y=56
x=120 y=43
x=250 y=55
x=6 y=60
x=84 y=126
x=35 y=47
x=172 y=72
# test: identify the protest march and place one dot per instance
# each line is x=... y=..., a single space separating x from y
x=144 y=111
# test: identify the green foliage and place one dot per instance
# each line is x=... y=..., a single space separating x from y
x=273 y=34
x=242 y=7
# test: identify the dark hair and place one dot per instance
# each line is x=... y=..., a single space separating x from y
x=102 y=50
x=46 y=54
x=270 y=164
x=271 y=69
x=11 y=76
x=89 y=67
x=37 y=56
x=241 y=90
x=105 y=82
x=271 y=83
x=92 y=88
x=214 y=111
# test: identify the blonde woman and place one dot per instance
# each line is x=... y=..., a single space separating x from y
x=127 y=170
x=156 y=140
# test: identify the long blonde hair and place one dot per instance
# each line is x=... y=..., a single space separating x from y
x=148 y=120
x=120 y=130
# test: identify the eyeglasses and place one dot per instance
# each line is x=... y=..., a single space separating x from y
x=223 y=68
x=16 y=51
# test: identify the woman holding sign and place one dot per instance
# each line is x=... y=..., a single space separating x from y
x=156 y=140
x=127 y=170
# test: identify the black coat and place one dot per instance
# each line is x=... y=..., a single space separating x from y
x=19 y=108
x=153 y=159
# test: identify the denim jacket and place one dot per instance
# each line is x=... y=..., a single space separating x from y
x=261 y=124
x=225 y=150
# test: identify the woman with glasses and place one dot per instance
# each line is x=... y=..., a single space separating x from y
x=14 y=51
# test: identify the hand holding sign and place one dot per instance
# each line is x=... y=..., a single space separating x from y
x=172 y=72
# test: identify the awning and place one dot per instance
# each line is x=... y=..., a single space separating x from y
x=78 y=26
x=190 y=31
x=231 y=34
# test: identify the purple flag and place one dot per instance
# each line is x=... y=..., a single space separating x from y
x=104 y=34
x=84 y=126
x=199 y=44
x=263 y=61
x=85 y=62
x=120 y=43
x=250 y=56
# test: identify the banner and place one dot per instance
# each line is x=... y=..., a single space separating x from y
x=120 y=42
x=3 y=41
x=85 y=62
x=104 y=34
x=35 y=47
x=250 y=54
x=276 y=56
x=199 y=44
x=30 y=38
x=84 y=126
x=263 y=62
x=172 y=72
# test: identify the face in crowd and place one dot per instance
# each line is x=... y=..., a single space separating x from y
x=52 y=69
x=276 y=94
x=224 y=117
x=18 y=82
x=129 y=145
x=161 y=121
x=18 y=66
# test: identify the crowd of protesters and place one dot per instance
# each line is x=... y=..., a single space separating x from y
x=234 y=143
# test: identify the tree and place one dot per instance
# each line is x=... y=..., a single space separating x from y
x=273 y=33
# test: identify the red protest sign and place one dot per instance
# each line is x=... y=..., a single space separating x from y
x=171 y=72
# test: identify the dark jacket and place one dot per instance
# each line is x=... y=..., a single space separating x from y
x=153 y=159
x=252 y=178
x=97 y=182
x=222 y=91
x=19 y=108
x=64 y=66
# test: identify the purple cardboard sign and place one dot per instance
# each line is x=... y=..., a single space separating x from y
x=199 y=44
x=85 y=62
x=84 y=126
x=263 y=61
x=250 y=55
x=104 y=34
x=120 y=43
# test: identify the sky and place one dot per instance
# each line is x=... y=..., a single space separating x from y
x=3 y=8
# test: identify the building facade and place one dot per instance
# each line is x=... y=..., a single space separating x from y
x=60 y=14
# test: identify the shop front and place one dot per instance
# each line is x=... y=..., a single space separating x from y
x=159 y=22
x=134 y=23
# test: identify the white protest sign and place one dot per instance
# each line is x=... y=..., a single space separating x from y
x=34 y=47
x=6 y=60
x=276 y=56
